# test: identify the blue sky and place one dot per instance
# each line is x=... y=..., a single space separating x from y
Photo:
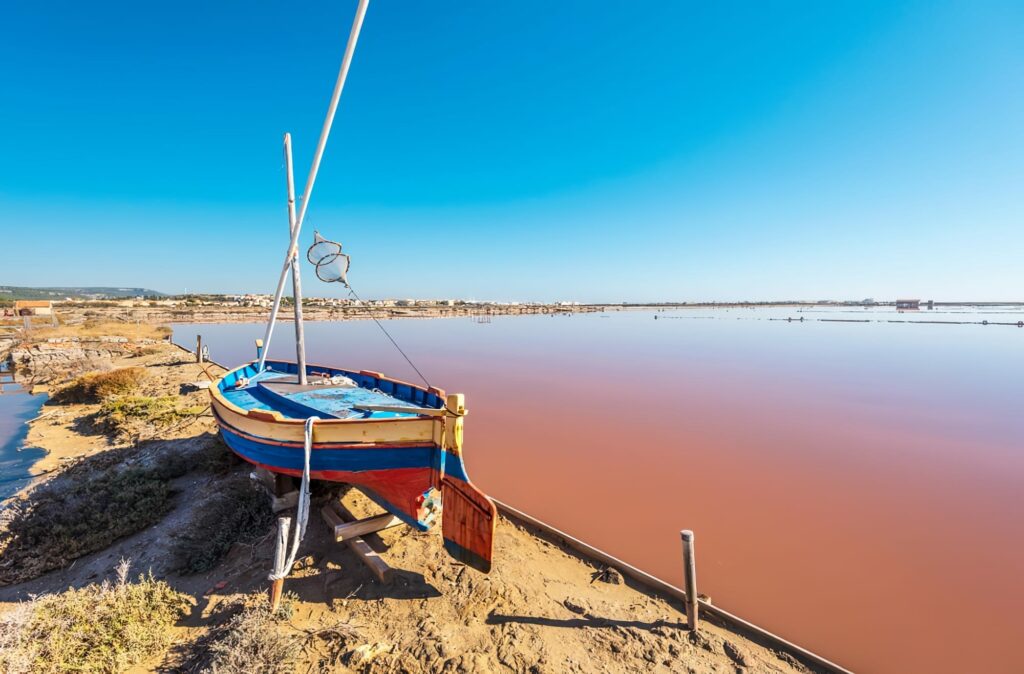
x=597 y=151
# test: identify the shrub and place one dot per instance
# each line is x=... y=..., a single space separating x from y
x=239 y=512
x=252 y=641
x=59 y=523
x=101 y=386
x=131 y=416
x=105 y=627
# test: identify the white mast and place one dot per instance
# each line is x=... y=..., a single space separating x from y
x=300 y=336
x=350 y=48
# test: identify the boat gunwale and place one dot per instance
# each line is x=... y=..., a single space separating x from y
x=325 y=445
x=274 y=416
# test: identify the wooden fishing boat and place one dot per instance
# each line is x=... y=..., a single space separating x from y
x=399 y=443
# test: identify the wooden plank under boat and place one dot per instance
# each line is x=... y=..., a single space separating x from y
x=399 y=443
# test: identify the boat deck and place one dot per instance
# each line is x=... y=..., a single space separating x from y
x=282 y=393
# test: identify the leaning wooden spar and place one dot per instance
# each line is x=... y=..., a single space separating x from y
x=398 y=442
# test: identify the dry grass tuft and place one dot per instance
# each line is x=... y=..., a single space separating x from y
x=151 y=350
x=135 y=417
x=98 y=387
x=105 y=627
x=105 y=329
x=254 y=641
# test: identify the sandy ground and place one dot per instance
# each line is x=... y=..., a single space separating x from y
x=543 y=608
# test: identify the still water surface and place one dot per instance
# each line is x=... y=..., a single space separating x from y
x=16 y=407
x=855 y=487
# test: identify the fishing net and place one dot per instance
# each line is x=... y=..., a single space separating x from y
x=331 y=264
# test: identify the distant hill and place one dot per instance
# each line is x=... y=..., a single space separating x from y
x=74 y=292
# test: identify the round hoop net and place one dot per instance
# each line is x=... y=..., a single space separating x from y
x=331 y=264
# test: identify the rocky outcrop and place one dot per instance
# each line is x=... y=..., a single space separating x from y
x=58 y=359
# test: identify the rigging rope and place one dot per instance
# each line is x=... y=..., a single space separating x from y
x=388 y=335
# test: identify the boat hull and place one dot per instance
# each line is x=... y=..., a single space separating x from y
x=407 y=464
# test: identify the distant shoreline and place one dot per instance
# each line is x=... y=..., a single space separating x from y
x=72 y=313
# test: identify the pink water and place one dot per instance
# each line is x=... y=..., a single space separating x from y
x=853 y=487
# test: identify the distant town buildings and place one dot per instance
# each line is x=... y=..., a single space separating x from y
x=33 y=308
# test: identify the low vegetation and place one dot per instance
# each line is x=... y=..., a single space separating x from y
x=61 y=522
x=238 y=513
x=257 y=640
x=99 y=328
x=106 y=627
x=97 y=387
x=254 y=641
x=138 y=417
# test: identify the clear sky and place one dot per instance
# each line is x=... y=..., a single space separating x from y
x=533 y=150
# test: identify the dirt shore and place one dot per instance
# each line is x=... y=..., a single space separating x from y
x=543 y=608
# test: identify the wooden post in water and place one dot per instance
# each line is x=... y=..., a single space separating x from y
x=690 y=580
x=280 y=552
x=199 y=348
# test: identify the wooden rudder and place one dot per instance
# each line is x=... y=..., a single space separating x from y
x=468 y=520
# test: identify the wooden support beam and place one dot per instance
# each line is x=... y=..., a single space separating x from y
x=334 y=519
x=283 y=494
x=283 y=484
x=370 y=557
x=368 y=525
x=289 y=500
x=331 y=518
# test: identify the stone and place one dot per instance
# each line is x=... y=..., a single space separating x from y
x=734 y=653
x=573 y=606
x=367 y=652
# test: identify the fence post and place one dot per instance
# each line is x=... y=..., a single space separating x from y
x=280 y=553
x=690 y=579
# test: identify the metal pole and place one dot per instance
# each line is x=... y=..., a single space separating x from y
x=300 y=333
x=690 y=580
x=346 y=61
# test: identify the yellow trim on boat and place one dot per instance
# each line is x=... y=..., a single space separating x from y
x=272 y=425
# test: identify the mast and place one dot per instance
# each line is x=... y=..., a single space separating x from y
x=290 y=256
x=300 y=333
